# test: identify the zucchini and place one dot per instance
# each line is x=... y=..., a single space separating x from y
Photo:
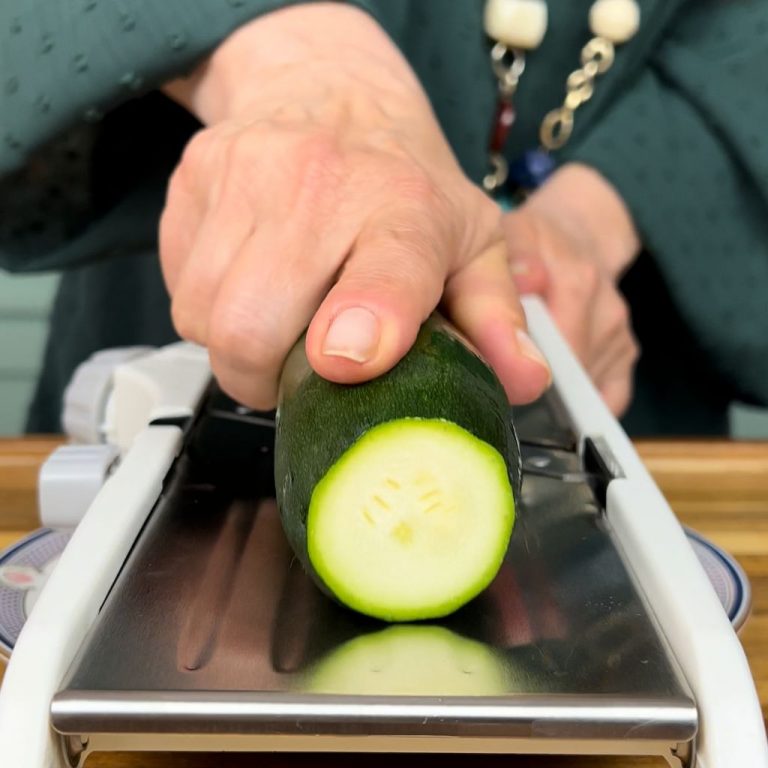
x=397 y=494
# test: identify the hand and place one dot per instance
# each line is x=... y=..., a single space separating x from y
x=322 y=194
x=569 y=243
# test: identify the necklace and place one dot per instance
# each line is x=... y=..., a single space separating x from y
x=518 y=27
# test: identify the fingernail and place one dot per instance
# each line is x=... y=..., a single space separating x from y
x=530 y=350
x=354 y=334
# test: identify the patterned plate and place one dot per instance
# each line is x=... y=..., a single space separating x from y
x=26 y=565
x=24 y=568
x=727 y=576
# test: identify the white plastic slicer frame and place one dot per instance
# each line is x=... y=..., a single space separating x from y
x=731 y=730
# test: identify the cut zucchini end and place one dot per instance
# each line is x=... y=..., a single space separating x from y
x=412 y=521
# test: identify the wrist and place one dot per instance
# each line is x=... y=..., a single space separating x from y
x=325 y=52
x=581 y=200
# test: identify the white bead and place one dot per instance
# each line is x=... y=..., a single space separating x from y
x=615 y=20
x=516 y=23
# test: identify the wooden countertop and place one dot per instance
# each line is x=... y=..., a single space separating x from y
x=718 y=488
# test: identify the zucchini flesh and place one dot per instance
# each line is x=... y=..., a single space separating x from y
x=412 y=521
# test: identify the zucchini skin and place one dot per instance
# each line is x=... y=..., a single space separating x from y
x=318 y=420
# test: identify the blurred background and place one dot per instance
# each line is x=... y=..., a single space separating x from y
x=25 y=302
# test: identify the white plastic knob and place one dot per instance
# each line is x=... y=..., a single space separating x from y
x=70 y=479
x=168 y=383
x=615 y=20
x=516 y=23
x=86 y=396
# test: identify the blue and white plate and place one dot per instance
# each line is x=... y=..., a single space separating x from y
x=24 y=568
x=728 y=578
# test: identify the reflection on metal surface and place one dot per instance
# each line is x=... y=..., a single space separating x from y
x=408 y=660
x=208 y=608
x=212 y=628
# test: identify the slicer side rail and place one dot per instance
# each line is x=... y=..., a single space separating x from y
x=652 y=541
x=71 y=599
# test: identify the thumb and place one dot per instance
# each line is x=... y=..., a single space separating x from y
x=387 y=288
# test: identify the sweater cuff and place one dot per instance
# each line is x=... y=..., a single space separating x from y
x=65 y=63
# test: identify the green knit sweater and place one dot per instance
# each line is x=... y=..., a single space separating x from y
x=677 y=125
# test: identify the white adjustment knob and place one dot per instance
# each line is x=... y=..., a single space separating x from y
x=85 y=398
x=70 y=479
x=168 y=383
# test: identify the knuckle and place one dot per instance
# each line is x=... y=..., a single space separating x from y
x=410 y=253
x=485 y=213
x=621 y=314
x=167 y=235
x=418 y=232
x=617 y=395
x=196 y=151
x=486 y=210
x=185 y=321
x=242 y=342
x=251 y=392
x=319 y=164
x=240 y=148
x=409 y=281
x=618 y=316
x=178 y=185
x=418 y=191
x=623 y=400
x=588 y=275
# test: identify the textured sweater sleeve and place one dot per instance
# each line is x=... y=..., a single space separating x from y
x=64 y=66
x=686 y=147
x=72 y=60
x=66 y=61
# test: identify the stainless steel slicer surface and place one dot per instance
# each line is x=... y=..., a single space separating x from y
x=212 y=637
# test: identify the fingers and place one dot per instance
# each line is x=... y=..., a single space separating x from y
x=481 y=299
x=179 y=223
x=617 y=391
x=253 y=258
x=614 y=345
x=264 y=303
x=388 y=285
x=574 y=301
x=583 y=301
x=196 y=283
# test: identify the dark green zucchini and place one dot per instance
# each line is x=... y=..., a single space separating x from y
x=397 y=494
